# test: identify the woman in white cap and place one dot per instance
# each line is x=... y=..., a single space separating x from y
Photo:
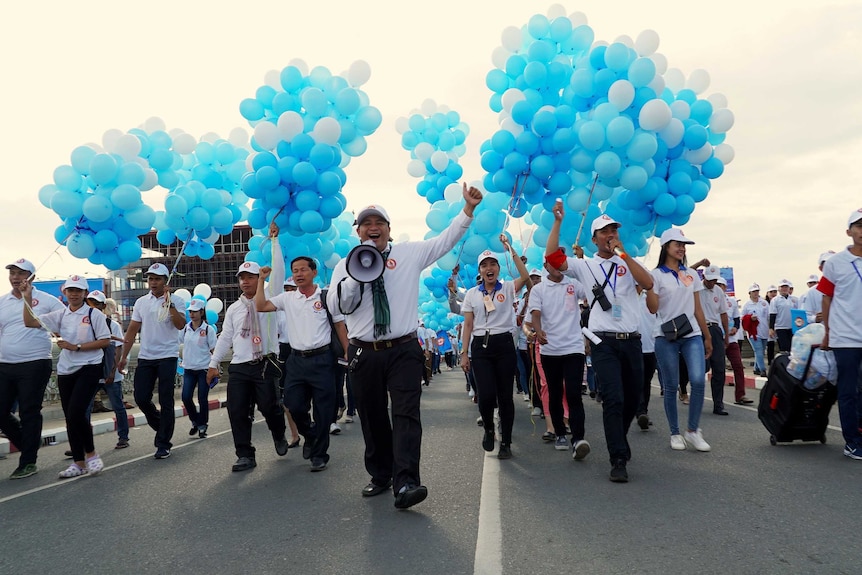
x=674 y=299
x=199 y=340
x=490 y=318
x=83 y=335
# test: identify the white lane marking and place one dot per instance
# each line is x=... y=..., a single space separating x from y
x=488 y=559
x=108 y=467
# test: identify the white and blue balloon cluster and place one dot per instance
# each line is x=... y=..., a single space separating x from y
x=604 y=127
x=307 y=127
x=435 y=137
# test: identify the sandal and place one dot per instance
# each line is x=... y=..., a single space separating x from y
x=72 y=471
x=683 y=397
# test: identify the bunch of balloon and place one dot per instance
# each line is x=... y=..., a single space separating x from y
x=203 y=292
x=307 y=127
x=434 y=136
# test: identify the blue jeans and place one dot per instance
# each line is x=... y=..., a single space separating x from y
x=758 y=346
x=667 y=355
x=848 y=360
x=522 y=374
x=196 y=378
x=115 y=396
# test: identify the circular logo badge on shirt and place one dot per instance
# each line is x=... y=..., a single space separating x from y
x=501 y=297
x=570 y=289
x=621 y=271
x=715 y=299
x=34 y=303
x=85 y=319
x=391 y=264
x=256 y=340
x=317 y=306
x=686 y=279
x=202 y=333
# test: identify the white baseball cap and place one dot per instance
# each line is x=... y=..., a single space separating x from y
x=487 y=254
x=96 y=295
x=753 y=287
x=783 y=283
x=674 y=234
x=721 y=280
x=196 y=305
x=602 y=221
x=813 y=278
x=289 y=282
x=22 y=264
x=248 y=267
x=75 y=282
x=158 y=270
x=825 y=256
x=772 y=288
x=535 y=272
x=371 y=210
x=712 y=273
x=854 y=217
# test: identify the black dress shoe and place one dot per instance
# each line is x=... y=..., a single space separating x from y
x=720 y=412
x=193 y=430
x=505 y=451
x=318 y=464
x=244 y=464
x=281 y=446
x=293 y=444
x=373 y=489
x=488 y=440
x=307 y=448
x=410 y=496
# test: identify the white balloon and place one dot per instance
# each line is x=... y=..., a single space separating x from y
x=154 y=124
x=238 y=137
x=266 y=135
x=210 y=137
x=359 y=73
x=183 y=294
x=499 y=57
x=680 y=109
x=647 y=42
x=512 y=126
x=725 y=153
x=511 y=38
x=675 y=80
x=556 y=11
x=428 y=107
x=660 y=61
x=721 y=121
x=204 y=290
x=718 y=100
x=698 y=81
x=621 y=94
x=184 y=143
x=657 y=84
x=110 y=137
x=249 y=162
x=453 y=193
x=578 y=19
x=326 y=131
x=402 y=124
x=416 y=168
x=510 y=98
x=625 y=40
x=699 y=156
x=439 y=161
x=654 y=115
x=128 y=146
x=423 y=151
x=273 y=79
x=151 y=180
x=300 y=65
x=289 y=125
x=215 y=304
x=673 y=133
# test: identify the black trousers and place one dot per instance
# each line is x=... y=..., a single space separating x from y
x=310 y=379
x=569 y=369
x=784 y=337
x=618 y=364
x=76 y=393
x=715 y=362
x=249 y=384
x=494 y=368
x=148 y=372
x=392 y=448
x=25 y=382
x=650 y=366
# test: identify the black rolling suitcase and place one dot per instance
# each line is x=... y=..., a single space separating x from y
x=789 y=410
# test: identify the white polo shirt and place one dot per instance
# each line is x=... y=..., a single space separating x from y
x=197 y=344
x=401 y=277
x=759 y=309
x=561 y=315
x=307 y=325
x=231 y=335
x=676 y=297
x=621 y=291
x=732 y=314
x=842 y=280
x=501 y=319
x=646 y=325
x=19 y=343
x=75 y=327
x=714 y=303
x=781 y=306
x=117 y=332
x=158 y=338
x=812 y=303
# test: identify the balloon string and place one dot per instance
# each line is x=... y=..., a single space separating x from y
x=59 y=245
x=584 y=213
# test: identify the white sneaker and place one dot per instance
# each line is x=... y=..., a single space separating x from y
x=471 y=393
x=526 y=397
x=334 y=429
x=348 y=419
x=72 y=471
x=696 y=440
x=537 y=411
x=581 y=449
x=677 y=442
x=95 y=465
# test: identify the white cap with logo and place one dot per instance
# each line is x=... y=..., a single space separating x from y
x=854 y=217
x=248 y=267
x=96 y=295
x=22 y=264
x=602 y=221
x=485 y=255
x=711 y=273
x=753 y=287
x=158 y=270
x=674 y=234
x=371 y=210
x=76 y=282
x=813 y=278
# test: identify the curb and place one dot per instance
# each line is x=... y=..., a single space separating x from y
x=750 y=382
x=57 y=435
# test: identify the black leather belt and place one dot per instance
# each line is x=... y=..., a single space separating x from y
x=711 y=324
x=263 y=358
x=618 y=335
x=384 y=344
x=310 y=352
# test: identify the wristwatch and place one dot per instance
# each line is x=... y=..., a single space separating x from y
x=79 y=347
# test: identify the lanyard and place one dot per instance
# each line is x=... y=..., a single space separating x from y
x=856 y=270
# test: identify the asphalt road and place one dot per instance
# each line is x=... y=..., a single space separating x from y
x=746 y=507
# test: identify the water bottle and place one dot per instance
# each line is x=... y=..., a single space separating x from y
x=214 y=382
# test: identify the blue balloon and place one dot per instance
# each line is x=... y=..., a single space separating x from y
x=664 y=205
x=503 y=142
x=311 y=222
x=591 y=134
x=251 y=109
x=712 y=168
x=695 y=137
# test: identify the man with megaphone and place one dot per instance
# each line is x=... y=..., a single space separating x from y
x=376 y=288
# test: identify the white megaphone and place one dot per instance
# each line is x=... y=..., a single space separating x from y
x=365 y=263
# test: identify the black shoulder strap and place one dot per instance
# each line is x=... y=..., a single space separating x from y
x=605 y=283
x=338 y=293
x=323 y=294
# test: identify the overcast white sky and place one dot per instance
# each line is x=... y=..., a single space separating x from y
x=791 y=71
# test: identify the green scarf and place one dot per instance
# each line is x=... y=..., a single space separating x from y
x=381 y=304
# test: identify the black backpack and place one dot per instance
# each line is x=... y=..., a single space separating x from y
x=334 y=342
x=109 y=354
